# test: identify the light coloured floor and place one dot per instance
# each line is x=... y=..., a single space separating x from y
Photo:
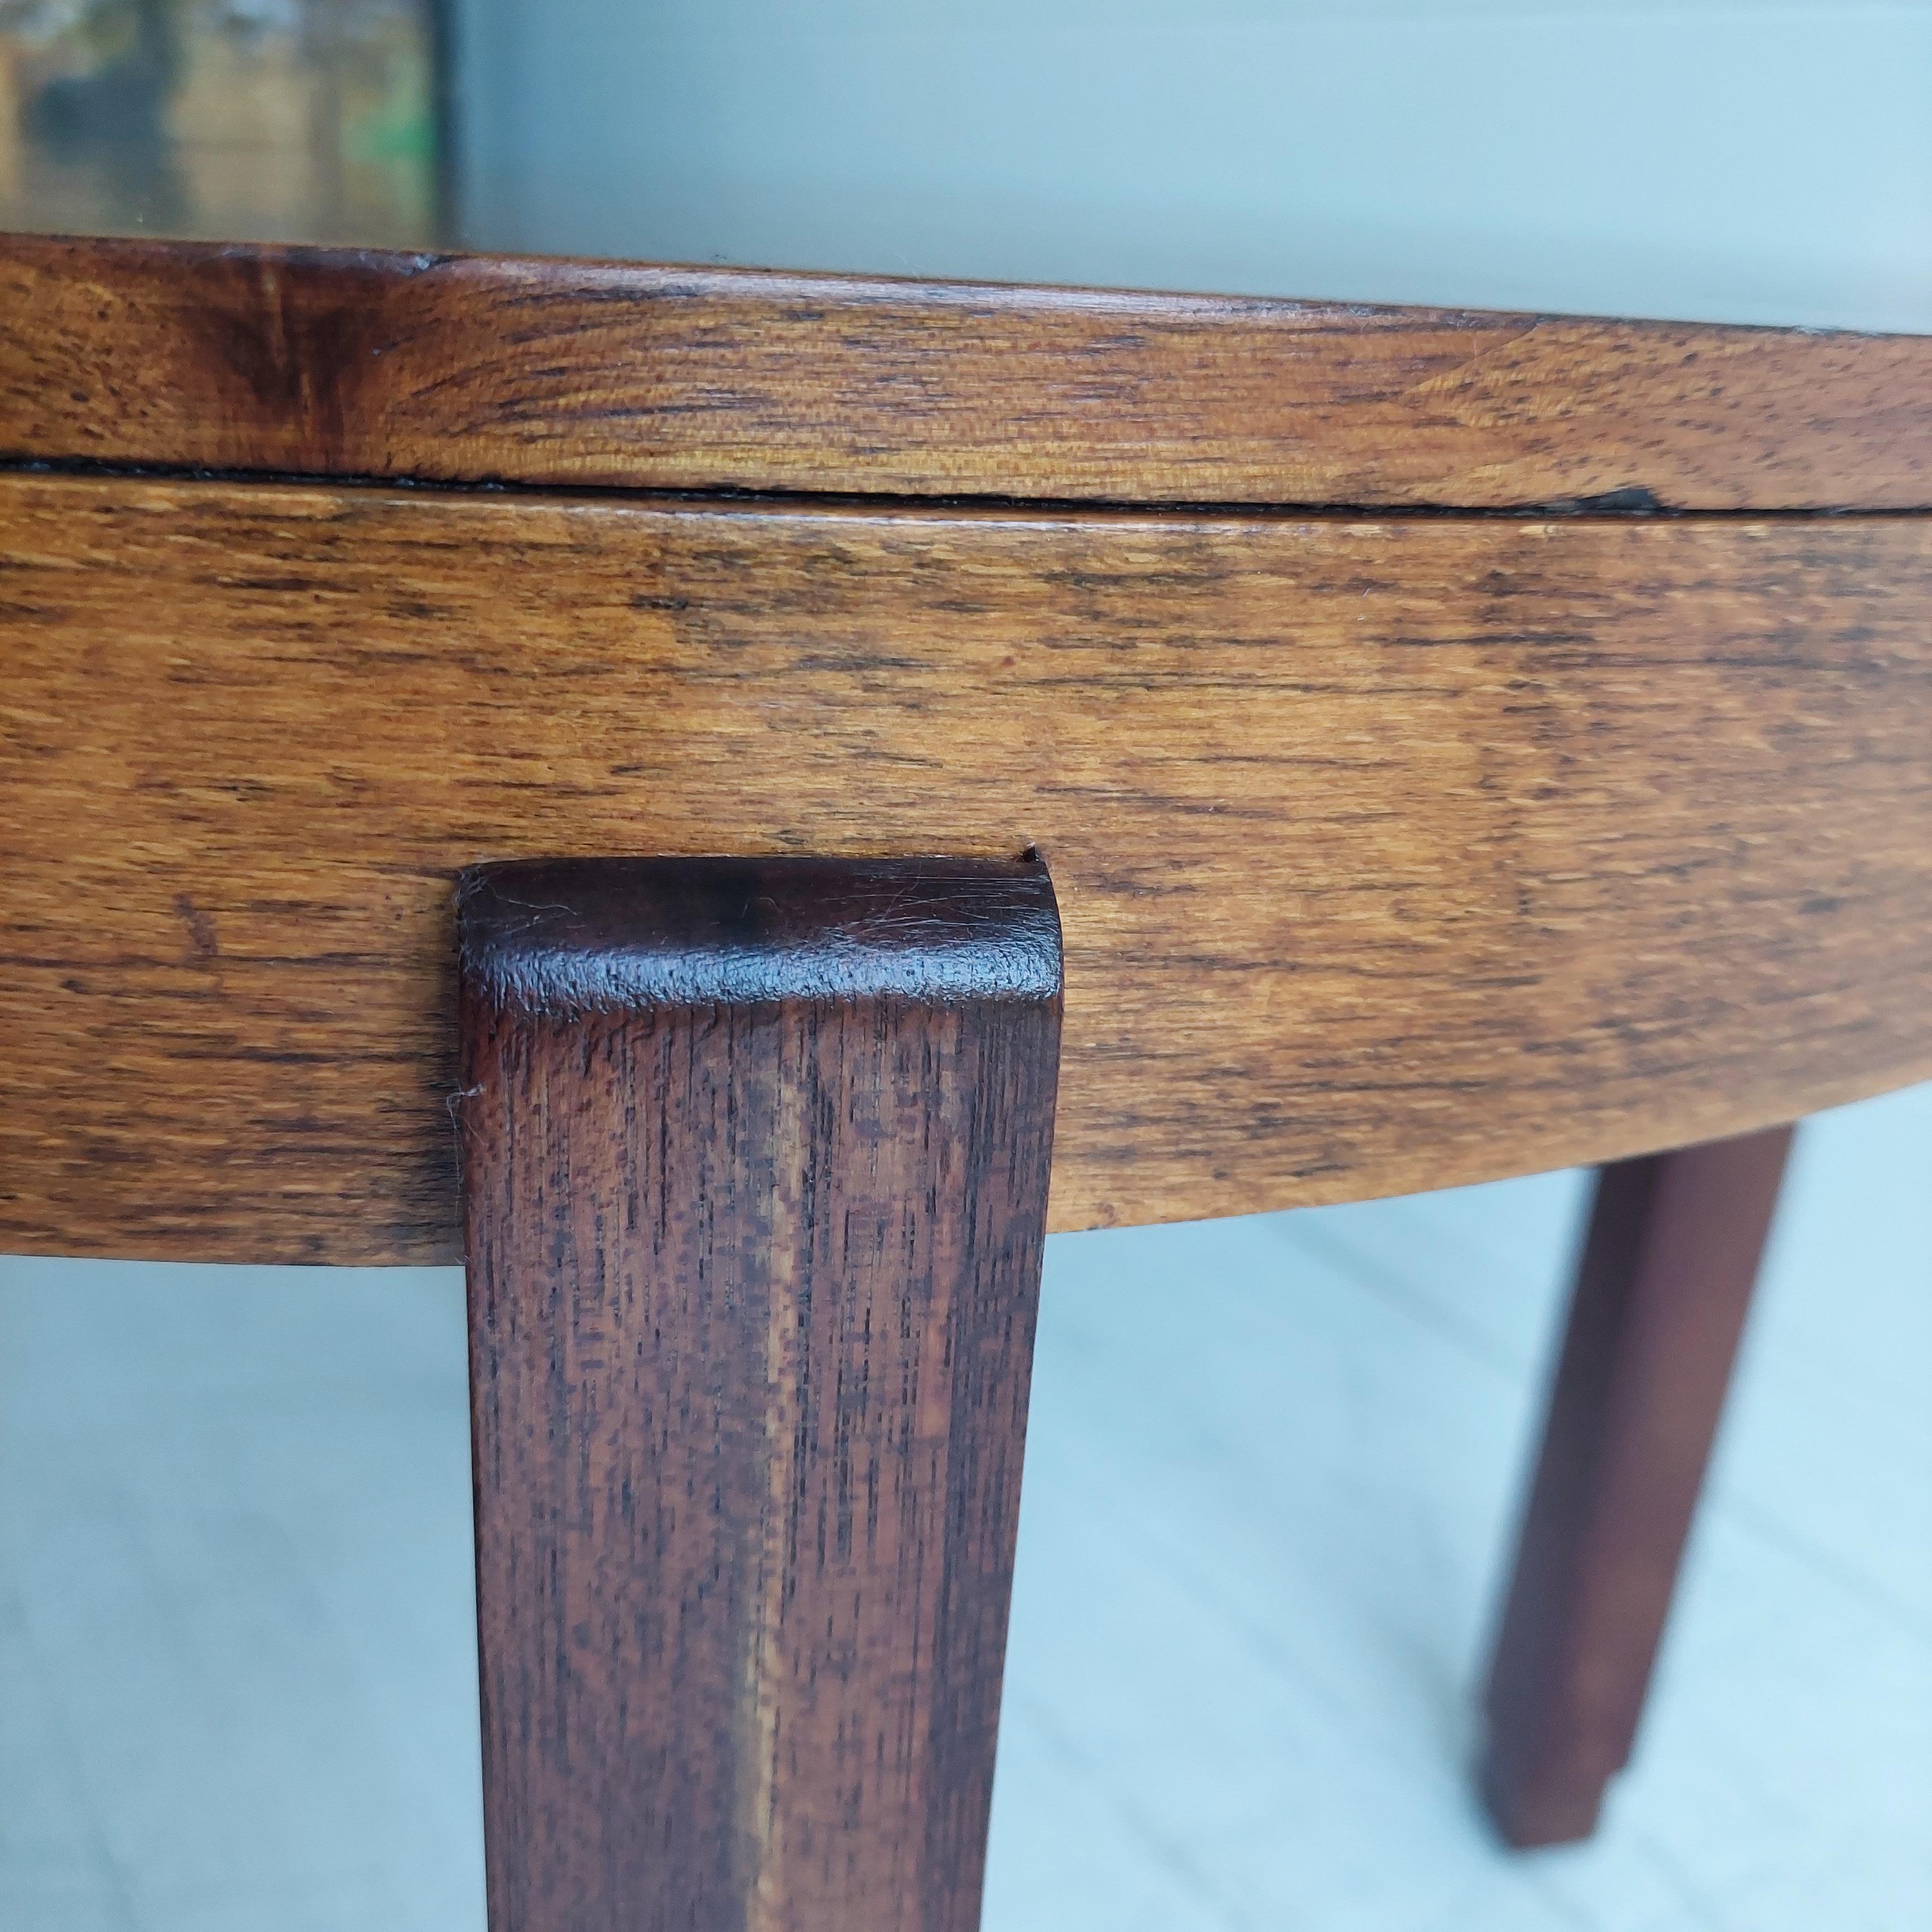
x=1271 y=1473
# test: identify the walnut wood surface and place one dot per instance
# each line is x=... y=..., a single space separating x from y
x=1392 y=854
x=755 y=1165
x=1661 y=1295
x=567 y=372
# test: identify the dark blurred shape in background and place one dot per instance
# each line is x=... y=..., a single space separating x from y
x=248 y=120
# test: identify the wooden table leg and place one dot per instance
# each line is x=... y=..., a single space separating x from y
x=755 y=1160
x=1659 y=1303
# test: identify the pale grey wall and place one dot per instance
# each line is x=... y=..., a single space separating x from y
x=1750 y=162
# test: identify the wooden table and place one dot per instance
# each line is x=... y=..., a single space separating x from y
x=1224 y=754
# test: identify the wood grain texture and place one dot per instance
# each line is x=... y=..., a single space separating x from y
x=755 y=1161
x=467 y=368
x=1391 y=854
x=1662 y=1292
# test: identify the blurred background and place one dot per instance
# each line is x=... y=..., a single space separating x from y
x=260 y=120
x=1750 y=160
x=1273 y=1463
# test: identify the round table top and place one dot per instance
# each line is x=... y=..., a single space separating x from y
x=1455 y=749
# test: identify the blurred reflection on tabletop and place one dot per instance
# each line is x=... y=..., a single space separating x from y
x=245 y=120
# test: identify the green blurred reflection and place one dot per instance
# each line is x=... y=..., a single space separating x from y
x=257 y=120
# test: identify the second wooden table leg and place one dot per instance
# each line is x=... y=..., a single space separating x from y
x=1660 y=1303
x=755 y=1160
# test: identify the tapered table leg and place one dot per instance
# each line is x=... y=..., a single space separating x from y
x=755 y=1161
x=1659 y=1303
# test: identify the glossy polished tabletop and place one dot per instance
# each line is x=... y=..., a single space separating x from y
x=1696 y=159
